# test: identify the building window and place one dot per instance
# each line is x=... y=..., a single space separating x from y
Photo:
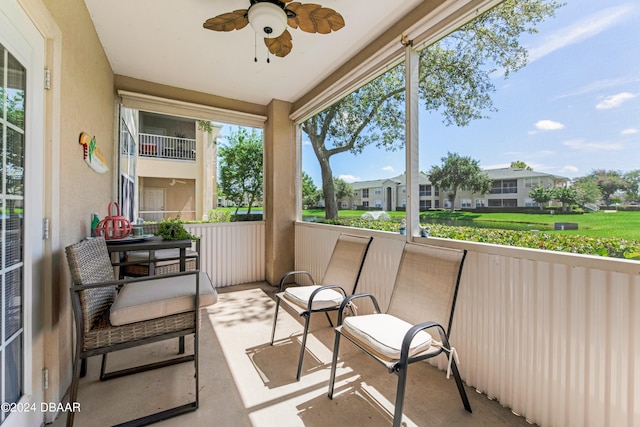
x=425 y=204
x=365 y=193
x=378 y=203
x=465 y=203
x=480 y=203
x=377 y=191
x=365 y=204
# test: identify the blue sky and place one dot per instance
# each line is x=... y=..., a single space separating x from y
x=574 y=108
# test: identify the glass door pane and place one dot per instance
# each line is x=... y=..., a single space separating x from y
x=12 y=165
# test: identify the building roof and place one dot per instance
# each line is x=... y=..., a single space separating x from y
x=500 y=173
x=515 y=173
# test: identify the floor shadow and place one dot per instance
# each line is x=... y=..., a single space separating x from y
x=277 y=364
x=352 y=405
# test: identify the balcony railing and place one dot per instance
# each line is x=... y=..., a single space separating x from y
x=504 y=190
x=166 y=147
x=551 y=335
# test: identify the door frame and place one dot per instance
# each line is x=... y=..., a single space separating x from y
x=24 y=41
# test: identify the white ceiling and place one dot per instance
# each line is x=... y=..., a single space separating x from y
x=164 y=42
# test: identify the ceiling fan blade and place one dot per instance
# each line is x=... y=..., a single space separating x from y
x=229 y=21
x=313 y=18
x=280 y=46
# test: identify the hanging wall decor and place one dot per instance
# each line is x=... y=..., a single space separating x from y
x=92 y=154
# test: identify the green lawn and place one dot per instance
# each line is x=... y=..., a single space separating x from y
x=624 y=225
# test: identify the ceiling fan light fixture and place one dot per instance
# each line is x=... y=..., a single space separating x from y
x=267 y=19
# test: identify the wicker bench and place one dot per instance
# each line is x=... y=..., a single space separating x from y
x=113 y=315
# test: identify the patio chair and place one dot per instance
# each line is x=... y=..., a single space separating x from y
x=341 y=275
x=424 y=297
x=112 y=315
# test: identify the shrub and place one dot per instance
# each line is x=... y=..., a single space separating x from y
x=611 y=247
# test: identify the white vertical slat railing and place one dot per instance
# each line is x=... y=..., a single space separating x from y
x=553 y=336
x=232 y=252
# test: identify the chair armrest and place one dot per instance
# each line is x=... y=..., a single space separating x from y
x=347 y=302
x=292 y=273
x=410 y=335
x=322 y=288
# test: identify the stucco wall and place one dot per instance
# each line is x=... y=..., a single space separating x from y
x=86 y=105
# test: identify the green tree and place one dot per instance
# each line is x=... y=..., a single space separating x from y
x=568 y=196
x=455 y=79
x=588 y=190
x=609 y=181
x=541 y=195
x=519 y=164
x=309 y=191
x=459 y=173
x=241 y=168
x=343 y=189
x=632 y=192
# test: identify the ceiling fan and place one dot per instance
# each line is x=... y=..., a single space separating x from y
x=269 y=19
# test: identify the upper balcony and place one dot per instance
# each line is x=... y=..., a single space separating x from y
x=166 y=147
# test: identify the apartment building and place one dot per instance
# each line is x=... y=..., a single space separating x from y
x=510 y=188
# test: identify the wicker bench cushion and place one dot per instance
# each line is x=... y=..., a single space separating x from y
x=383 y=334
x=326 y=298
x=137 y=302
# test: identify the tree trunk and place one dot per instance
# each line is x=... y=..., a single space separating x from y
x=330 y=204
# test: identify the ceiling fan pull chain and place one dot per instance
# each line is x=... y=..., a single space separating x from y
x=255 y=48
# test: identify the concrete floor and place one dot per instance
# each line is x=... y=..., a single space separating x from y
x=244 y=381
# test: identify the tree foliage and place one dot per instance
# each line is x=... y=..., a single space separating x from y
x=343 y=189
x=459 y=173
x=455 y=79
x=568 y=196
x=632 y=191
x=241 y=168
x=541 y=195
x=309 y=191
x=519 y=164
x=608 y=181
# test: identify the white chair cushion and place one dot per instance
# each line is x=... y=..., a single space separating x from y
x=146 y=300
x=383 y=334
x=326 y=298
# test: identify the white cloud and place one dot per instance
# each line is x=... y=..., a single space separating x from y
x=582 y=145
x=496 y=166
x=615 y=100
x=548 y=125
x=569 y=169
x=349 y=178
x=629 y=131
x=306 y=142
x=580 y=31
x=602 y=85
x=388 y=169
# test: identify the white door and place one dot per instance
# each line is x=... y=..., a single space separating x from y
x=21 y=197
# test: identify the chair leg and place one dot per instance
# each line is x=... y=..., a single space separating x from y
x=402 y=383
x=307 y=318
x=461 y=390
x=83 y=368
x=328 y=318
x=334 y=363
x=103 y=366
x=275 y=318
x=73 y=391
